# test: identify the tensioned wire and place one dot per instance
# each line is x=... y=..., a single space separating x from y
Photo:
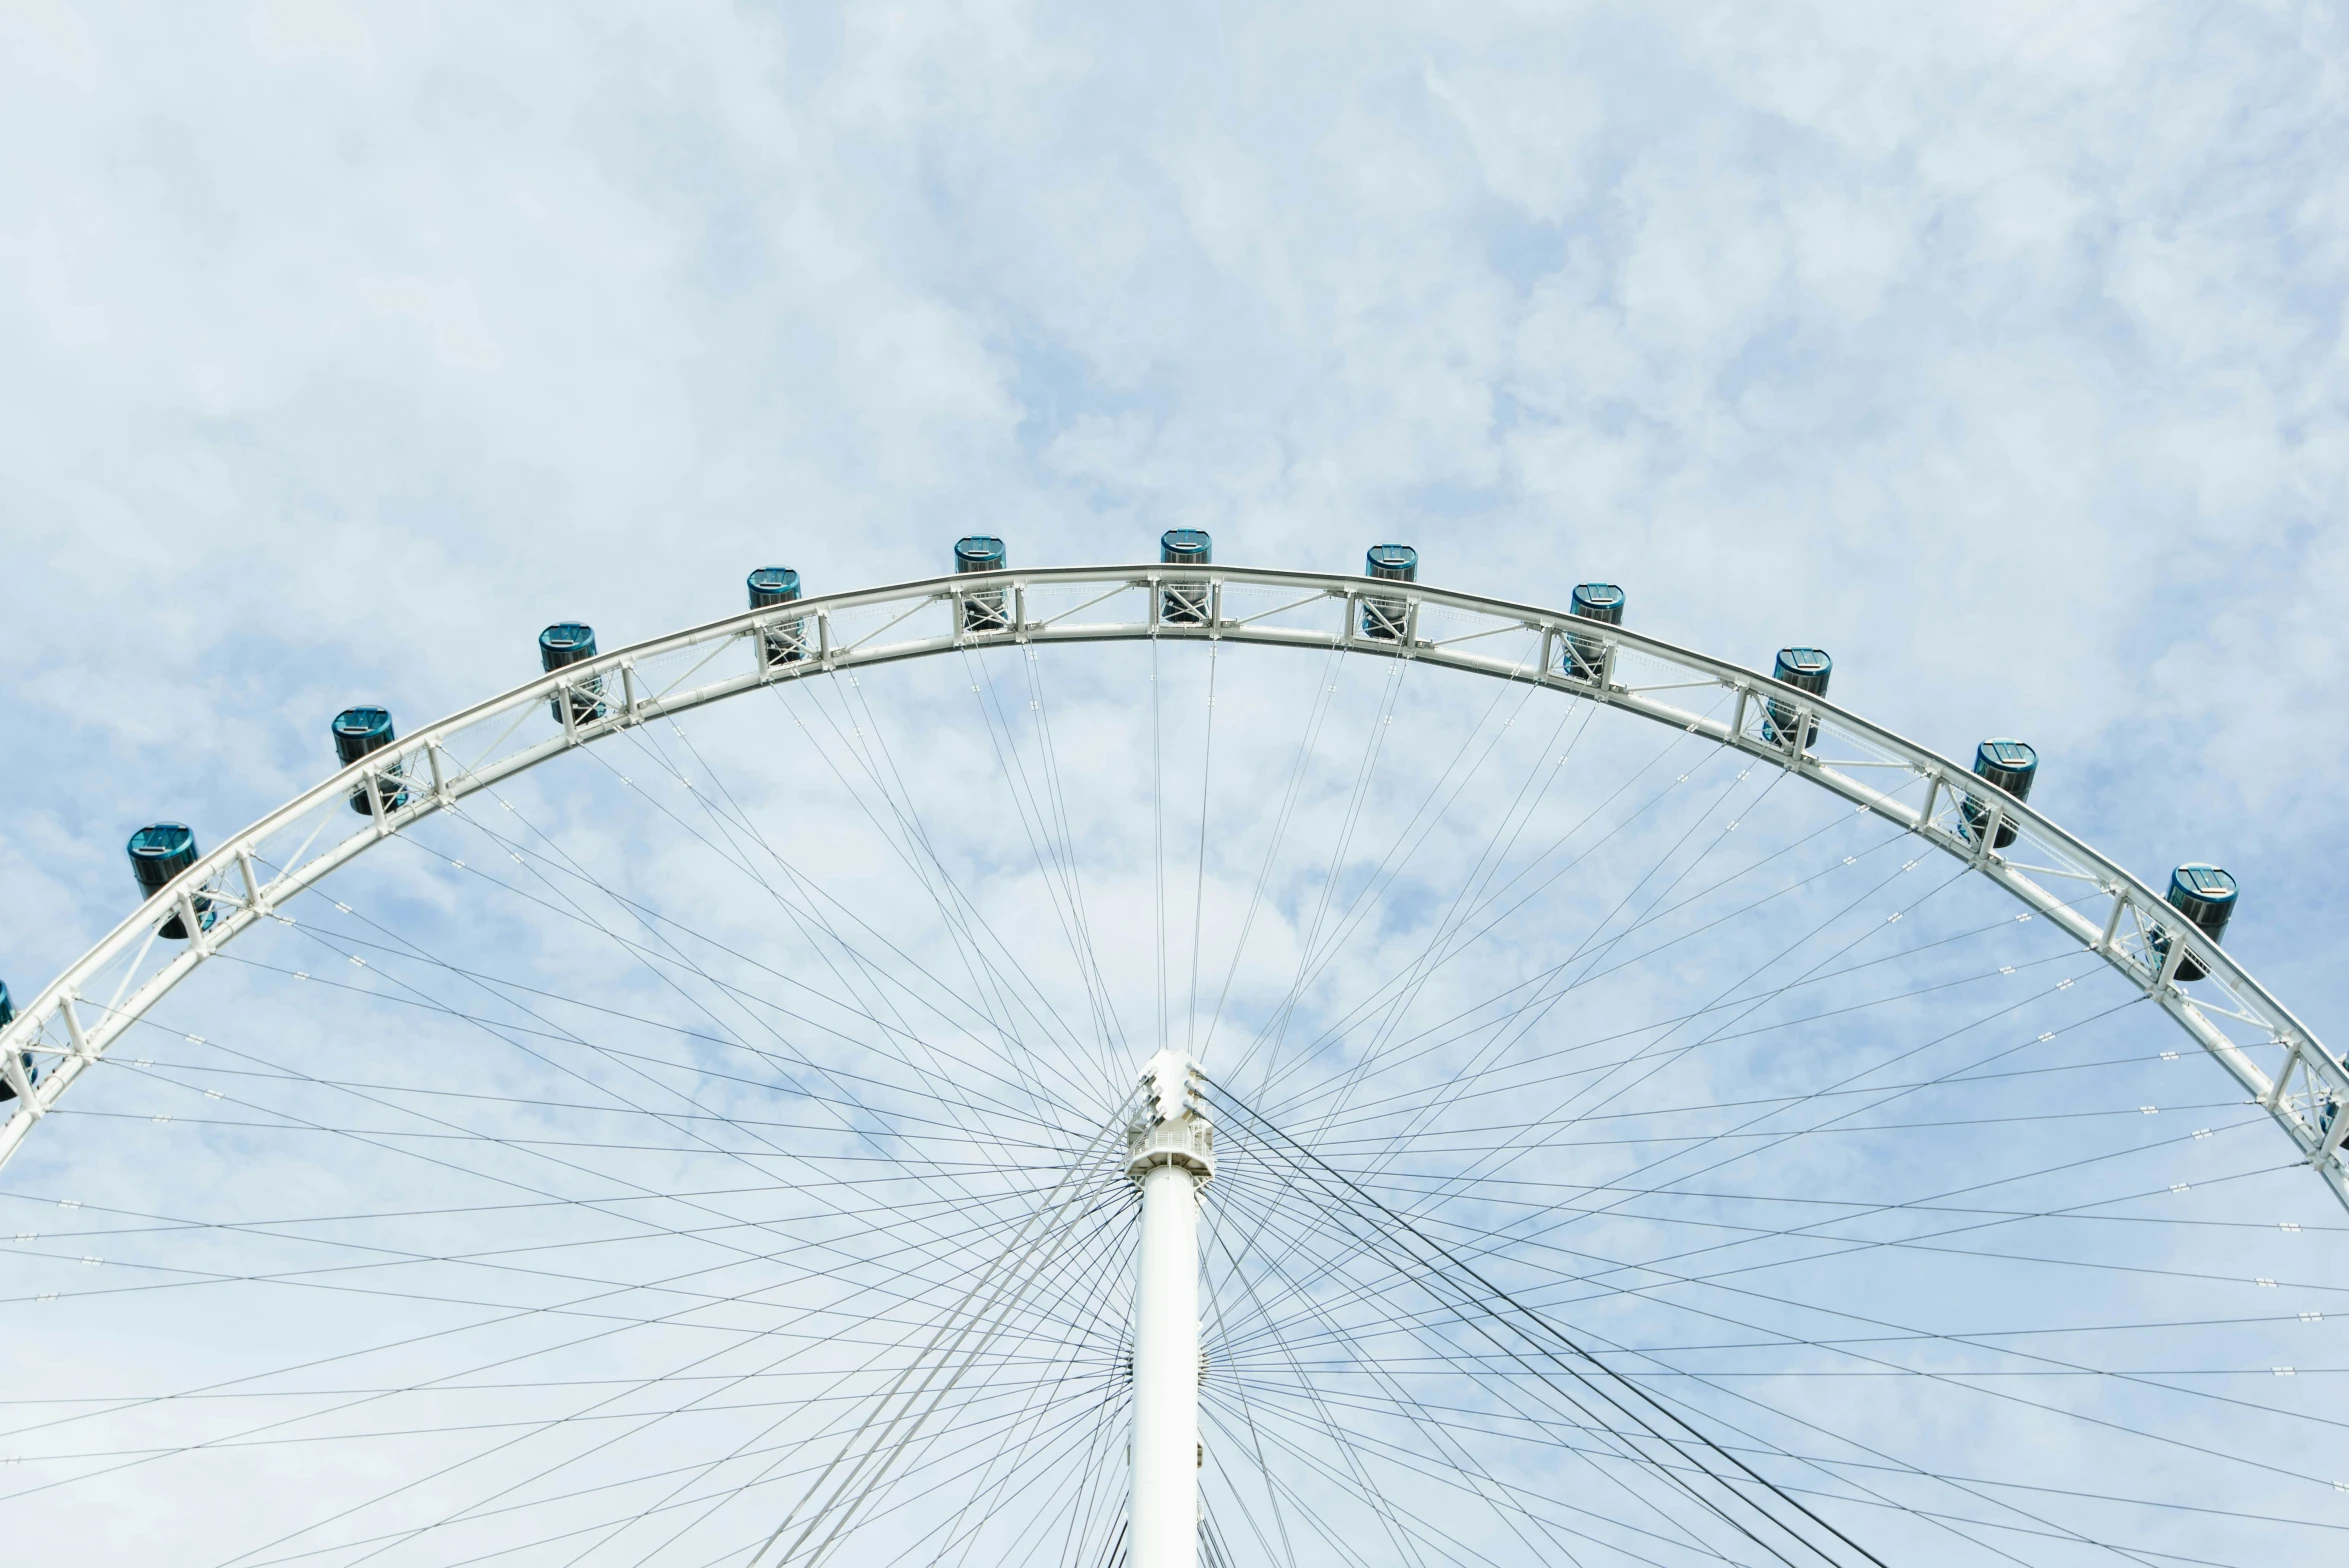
x=1583 y=1425
x=1026 y=1084
x=1025 y=1224
x=637 y=1515
x=1368 y=1244
x=881 y=1285
x=602 y=1085
x=1092 y=1294
x=1055 y=852
x=1423 y=969
x=864 y=1473
x=1765 y=1407
x=972 y=936
x=1643 y=1266
x=1431 y=1041
x=812 y=891
x=1009 y=1313
x=1458 y=1458
x=1407 y=1401
x=1365 y=1246
x=1528 y=1015
x=1403 y=844
x=691 y=1132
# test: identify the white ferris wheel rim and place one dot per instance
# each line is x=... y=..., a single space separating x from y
x=70 y=1024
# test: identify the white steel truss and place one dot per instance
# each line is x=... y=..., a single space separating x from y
x=74 y=1019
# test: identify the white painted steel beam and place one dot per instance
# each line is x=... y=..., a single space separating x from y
x=1171 y=1154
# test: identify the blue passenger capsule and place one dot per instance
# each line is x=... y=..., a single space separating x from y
x=2205 y=895
x=1389 y=620
x=157 y=854
x=782 y=642
x=564 y=644
x=7 y=1017
x=358 y=731
x=2009 y=764
x=1586 y=657
x=1184 y=604
x=1805 y=669
x=984 y=609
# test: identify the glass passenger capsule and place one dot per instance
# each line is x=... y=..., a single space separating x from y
x=1586 y=657
x=158 y=853
x=983 y=609
x=2009 y=764
x=560 y=646
x=357 y=732
x=1385 y=619
x=1184 y=604
x=1805 y=669
x=2205 y=895
x=783 y=642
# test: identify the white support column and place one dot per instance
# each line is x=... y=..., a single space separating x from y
x=1171 y=1154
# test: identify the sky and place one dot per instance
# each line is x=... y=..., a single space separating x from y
x=1999 y=351
x=2000 y=354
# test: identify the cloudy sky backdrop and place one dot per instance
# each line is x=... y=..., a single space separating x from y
x=1998 y=350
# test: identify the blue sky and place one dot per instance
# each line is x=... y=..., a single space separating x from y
x=2002 y=355
x=1999 y=351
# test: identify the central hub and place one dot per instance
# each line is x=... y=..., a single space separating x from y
x=1171 y=1127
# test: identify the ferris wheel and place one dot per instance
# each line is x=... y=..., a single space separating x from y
x=1167 y=1064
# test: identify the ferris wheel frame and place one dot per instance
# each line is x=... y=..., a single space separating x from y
x=72 y=1022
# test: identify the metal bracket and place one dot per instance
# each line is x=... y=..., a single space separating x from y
x=195 y=925
x=12 y=1068
x=73 y=1028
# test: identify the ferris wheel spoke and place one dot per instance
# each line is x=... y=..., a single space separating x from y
x=1025 y=1228
x=2042 y=1365
x=1295 y=1438
x=1044 y=819
x=718 y=1145
x=1267 y=1083
x=1284 y=817
x=991 y=964
x=1429 y=1041
x=1270 y=1034
x=892 y=1039
x=632 y=1063
x=881 y=1285
x=808 y=915
x=1739 y=1494
x=1539 y=983
x=1477 y=1477
x=1275 y=1334
x=1573 y=1414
